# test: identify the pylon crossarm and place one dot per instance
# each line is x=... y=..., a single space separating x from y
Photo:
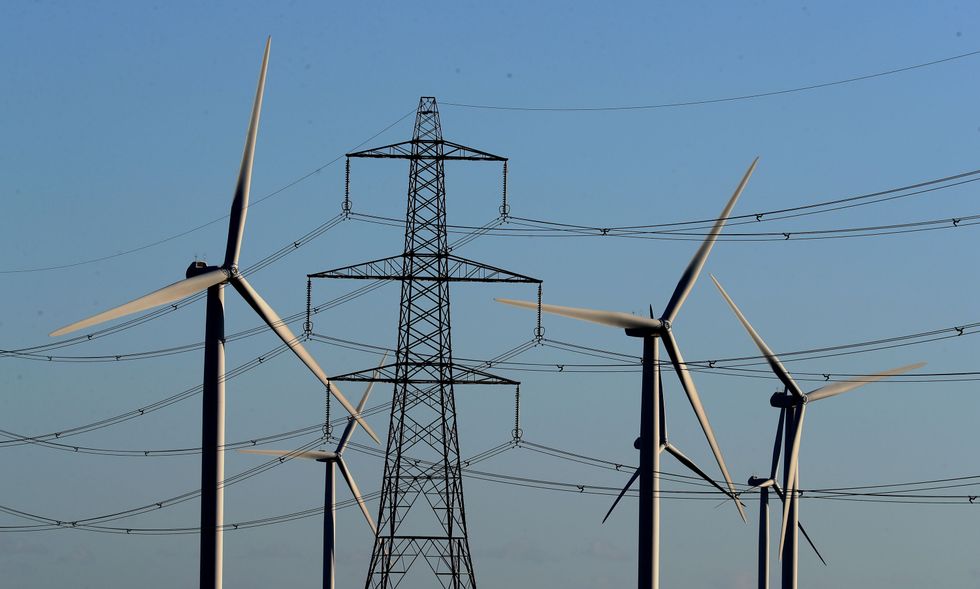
x=428 y=150
x=389 y=373
x=394 y=268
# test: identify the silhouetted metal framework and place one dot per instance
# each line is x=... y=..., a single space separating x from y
x=423 y=412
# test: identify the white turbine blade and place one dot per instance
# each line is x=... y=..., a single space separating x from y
x=309 y=454
x=286 y=335
x=693 y=270
x=696 y=469
x=167 y=294
x=239 y=204
x=792 y=463
x=779 y=493
x=810 y=542
x=774 y=363
x=692 y=394
x=837 y=388
x=351 y=423
x=610 y=318
x=357 y=494
x=629 y=484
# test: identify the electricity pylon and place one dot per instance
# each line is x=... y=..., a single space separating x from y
x=422 y=464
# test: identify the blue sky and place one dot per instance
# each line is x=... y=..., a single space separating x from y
x=123 y=125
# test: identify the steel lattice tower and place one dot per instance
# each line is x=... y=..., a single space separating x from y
x=422 y=459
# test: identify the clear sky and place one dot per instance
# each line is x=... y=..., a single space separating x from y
x=121 y=125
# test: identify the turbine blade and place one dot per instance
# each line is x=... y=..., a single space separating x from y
x=774 y=363
x=779 y=493
x=351 y=423
x=693 y=270
x=837 y=388
x=629 y=484
x=696 y=469
x=357 y=494
x=286 y=335
x=239 y=204
x=812 y=545
x=167 y=294
x=610 y=318
x=692 y=394
x=777 y=445
x=310 y=454
x=792 y=464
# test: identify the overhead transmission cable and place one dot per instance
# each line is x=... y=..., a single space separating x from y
x=625 y=362
x=513 y=108
x=106 y=422
x=902 y=492
x=707 y=101
x=494 y=228
x=254 y=202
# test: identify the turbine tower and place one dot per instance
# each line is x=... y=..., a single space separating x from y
x=421 y=518
x=792 y=408
x=653 y=430
x=213 y=279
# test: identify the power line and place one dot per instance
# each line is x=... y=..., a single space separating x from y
x=254 y=202
x=565 y=229
x=706 y=101
x=694 y=230
x=38 y=350
x=141 y=411
x=40 y=439
x=626 y=362
x=918 y=226
x=901 y=492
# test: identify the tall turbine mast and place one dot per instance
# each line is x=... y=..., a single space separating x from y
x=423 y=412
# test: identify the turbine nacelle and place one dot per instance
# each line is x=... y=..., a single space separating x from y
x=649 y=330
x=760 y=483
x=781 y=400
x=199 y=267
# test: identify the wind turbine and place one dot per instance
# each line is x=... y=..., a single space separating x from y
x=332 y=460
x=653 y=439
x=762 y=486
x=213 y=278
x=792 y=405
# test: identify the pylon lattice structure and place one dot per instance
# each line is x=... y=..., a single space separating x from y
x=422 y=464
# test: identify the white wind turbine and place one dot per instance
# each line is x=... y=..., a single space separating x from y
x=762 y=486
x=653 y=439
x=333 y=460
x=792 y=405
x=213 y=279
